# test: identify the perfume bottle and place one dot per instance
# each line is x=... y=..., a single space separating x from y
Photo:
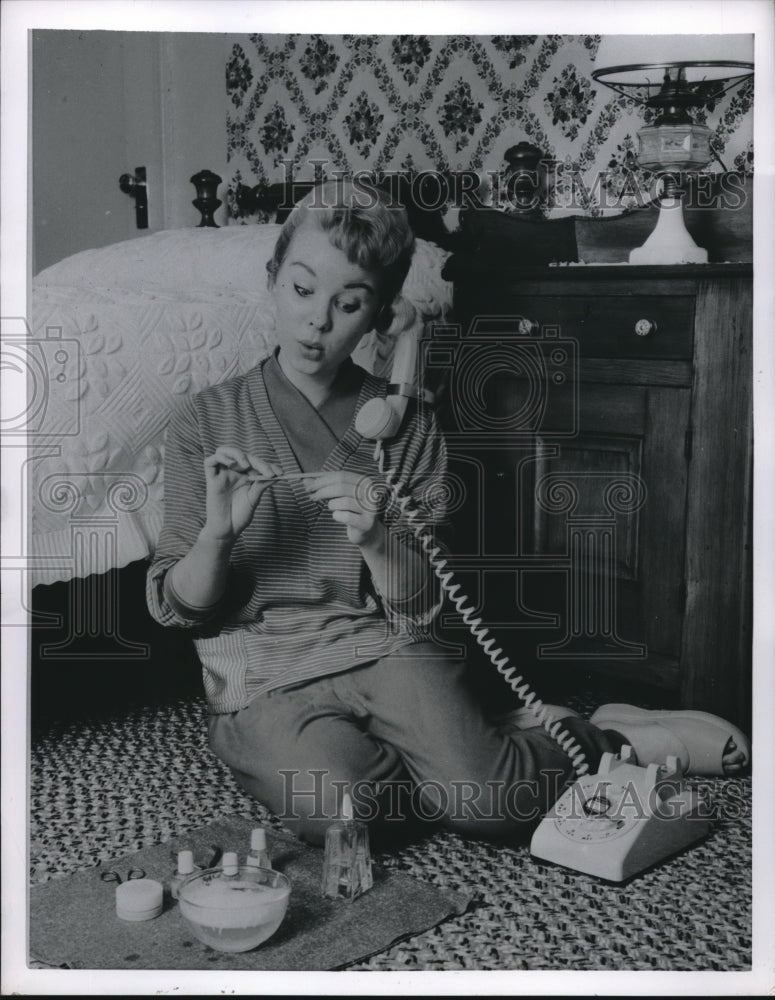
x=258 y=855
x=347 y=861
x=186 y=867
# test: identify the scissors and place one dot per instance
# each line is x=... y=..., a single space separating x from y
x=115 y=877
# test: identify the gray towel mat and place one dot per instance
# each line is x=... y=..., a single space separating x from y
x=73 y=922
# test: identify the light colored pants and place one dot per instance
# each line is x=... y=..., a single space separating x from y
x=407 y=738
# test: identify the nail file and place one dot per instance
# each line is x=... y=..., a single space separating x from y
x=256 y=477
x=285 y=475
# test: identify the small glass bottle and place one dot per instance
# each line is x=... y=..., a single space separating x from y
x=258 y=855
x=230 y=864
x=347 y=861
x=186 y=867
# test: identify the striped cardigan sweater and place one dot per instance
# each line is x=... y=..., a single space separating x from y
x=300 y=602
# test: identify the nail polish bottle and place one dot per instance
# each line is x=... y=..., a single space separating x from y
x=347 y=861
x=230 y=865
x=186 y=867
x=258 y=855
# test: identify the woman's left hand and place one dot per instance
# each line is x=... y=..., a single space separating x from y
x=355 y=501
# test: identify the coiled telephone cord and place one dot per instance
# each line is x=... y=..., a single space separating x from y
x=480 y=632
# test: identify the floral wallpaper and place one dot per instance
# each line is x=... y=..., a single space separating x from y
x=422 y=102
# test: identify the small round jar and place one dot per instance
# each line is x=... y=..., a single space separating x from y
x=139 y=899
x=234 y=912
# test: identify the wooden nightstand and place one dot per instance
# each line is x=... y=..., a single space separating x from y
x=600 y=421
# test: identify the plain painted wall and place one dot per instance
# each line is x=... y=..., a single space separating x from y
x=104 y=103
x=194 y=109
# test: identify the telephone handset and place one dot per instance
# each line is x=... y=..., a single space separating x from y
x=380 y=419
x=613 y=824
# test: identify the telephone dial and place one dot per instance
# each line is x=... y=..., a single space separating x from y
x=613 y=824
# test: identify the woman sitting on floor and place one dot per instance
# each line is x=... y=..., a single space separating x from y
x=311 y=606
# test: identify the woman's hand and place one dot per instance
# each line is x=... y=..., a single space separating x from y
x=235 y=482
x=354 y=500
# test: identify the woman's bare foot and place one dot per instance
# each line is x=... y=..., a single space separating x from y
x=733 y=759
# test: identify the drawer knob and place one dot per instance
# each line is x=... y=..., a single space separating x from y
x=645 y=327
x=526 y=327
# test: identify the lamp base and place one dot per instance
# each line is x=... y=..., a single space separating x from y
x=670 y=243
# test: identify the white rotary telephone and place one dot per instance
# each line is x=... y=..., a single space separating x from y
x=622 y=820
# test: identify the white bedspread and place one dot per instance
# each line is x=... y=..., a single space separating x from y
x=121 y=333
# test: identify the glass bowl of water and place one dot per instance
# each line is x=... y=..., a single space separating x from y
x=234 y=912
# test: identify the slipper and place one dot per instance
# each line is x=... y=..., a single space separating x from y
x=698 y=739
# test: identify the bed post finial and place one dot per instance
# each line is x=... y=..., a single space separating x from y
x=207 y=200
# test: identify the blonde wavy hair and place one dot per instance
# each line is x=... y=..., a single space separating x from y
x=366 y=224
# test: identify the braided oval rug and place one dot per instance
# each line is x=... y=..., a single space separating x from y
x=109 y=787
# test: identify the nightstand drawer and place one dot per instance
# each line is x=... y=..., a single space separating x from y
x=612 y=326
